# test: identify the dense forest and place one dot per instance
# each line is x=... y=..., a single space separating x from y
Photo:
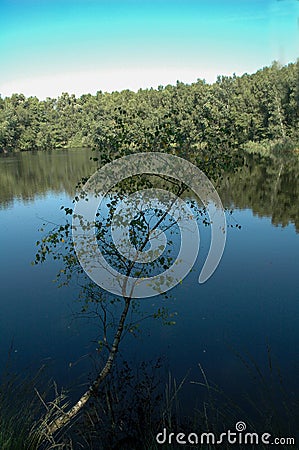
x=248 y=110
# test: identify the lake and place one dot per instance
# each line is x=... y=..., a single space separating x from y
x=248 y=310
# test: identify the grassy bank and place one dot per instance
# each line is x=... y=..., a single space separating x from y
x=135 y=405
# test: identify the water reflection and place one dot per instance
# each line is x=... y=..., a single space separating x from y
x=252 y=299
x=29 y=175
x=268 y=186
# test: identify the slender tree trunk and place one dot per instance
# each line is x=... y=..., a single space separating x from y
x=66 y=417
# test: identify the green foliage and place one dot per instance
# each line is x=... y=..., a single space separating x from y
x=184 y=118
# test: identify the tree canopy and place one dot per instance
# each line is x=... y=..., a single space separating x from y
x=227 y=114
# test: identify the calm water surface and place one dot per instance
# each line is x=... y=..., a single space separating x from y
x=250 y=304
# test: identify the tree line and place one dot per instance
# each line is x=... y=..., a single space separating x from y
x=232 y=112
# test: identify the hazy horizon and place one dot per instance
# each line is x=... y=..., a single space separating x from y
x=82 y=47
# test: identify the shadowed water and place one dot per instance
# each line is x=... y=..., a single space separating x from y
x=249 y=304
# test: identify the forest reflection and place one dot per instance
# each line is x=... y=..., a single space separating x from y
x=267 y=185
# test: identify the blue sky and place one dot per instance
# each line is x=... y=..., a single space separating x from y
x=48 y=46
